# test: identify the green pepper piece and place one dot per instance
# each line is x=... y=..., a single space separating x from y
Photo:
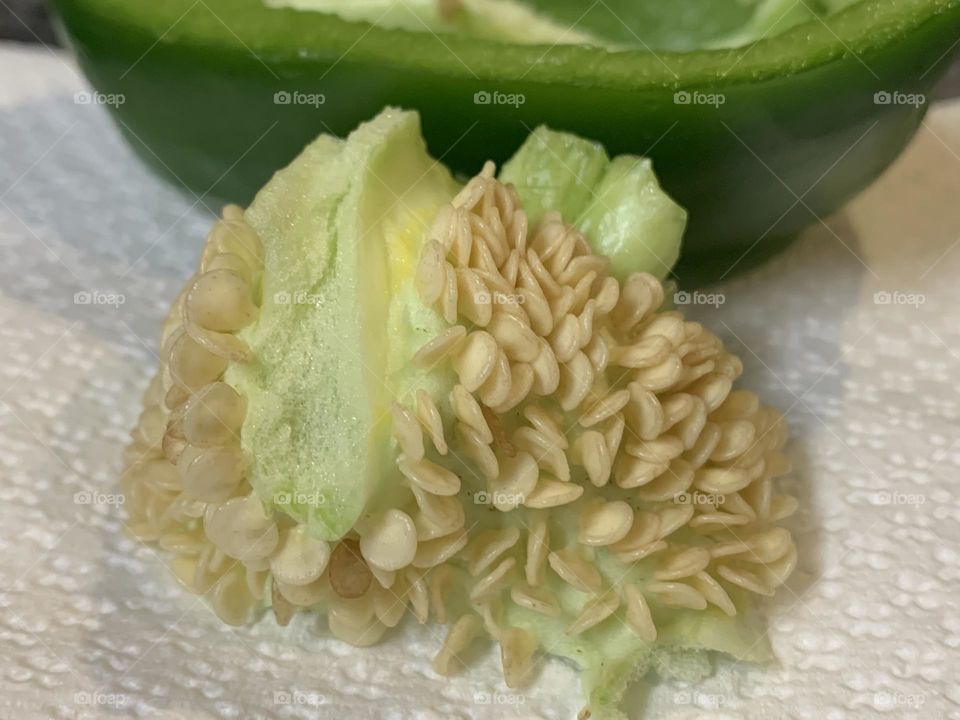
x=756 y=142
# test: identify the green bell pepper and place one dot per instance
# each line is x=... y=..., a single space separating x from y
x=756 y=142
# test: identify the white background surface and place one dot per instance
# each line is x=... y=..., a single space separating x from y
x=868 y=627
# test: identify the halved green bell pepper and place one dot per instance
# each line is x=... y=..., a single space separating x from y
x=756 y=142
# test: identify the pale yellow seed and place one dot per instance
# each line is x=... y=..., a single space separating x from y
x=442 y=347
x=769 y=545
x=517 y=647
x=221 y=301
x=434 y=552
x=638 y=614
x=546 y=370
x=345 y=625
x=604 y=522
x=673 y=518
x=516 y=338
x=214 y=474
x=476 y=360
x=242 y=528
x=670 y=484
x=713 y=592
x=444 y=513
x=576 y=379
x=781 y=507
x=469 y=412
x=645 y=353
x=629 y=472
x=575 y=570
x=660 y=450
x=607 y=296
x=231 y=599
x=712 y=521
x=458 y=639
x=538 y=545
x=643 y=413
x=300 y=558
x=539 y=600
x=304 y=595
x=745 y=579
x=388 y=605
x=595 y=611
x=224 y=345
x=429 y=416
x=473 y=297
x=640 y=295
x=283 y=609
x=544 y=449
x=683 y=563
x=488 y=546
x=545 y=424
x=521 y=383
x=631 y=556
x=430 y=279
x=592 y=452
x=643 y=531
x=676 y=594
x=565 y=338
x=418 y=596
x=439 y=583
x=662 y=376
x=496 y=389
x=605 y=408
x=703 y=447
x=384 y=578
x=191 y=365
x=407 y=431
x=389 y=540
x=429 y=476
x=690 y=427
x=721 y=481
x=776 y=573
x=213 y=416
x=516 y=481
x=471 y=444
x=552 y=493
x=496 y=580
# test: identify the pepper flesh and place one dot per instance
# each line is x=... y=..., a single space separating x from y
x=798 y=133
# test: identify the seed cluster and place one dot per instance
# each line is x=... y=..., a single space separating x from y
x=575 y=399
x=574 y=391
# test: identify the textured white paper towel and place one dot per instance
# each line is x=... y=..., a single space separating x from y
x=92 y=625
